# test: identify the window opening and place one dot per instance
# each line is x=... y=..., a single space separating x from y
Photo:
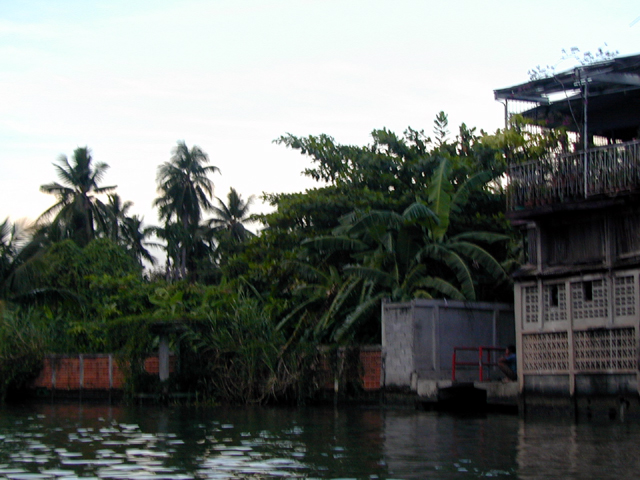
x=554 y=302
x=587 y=288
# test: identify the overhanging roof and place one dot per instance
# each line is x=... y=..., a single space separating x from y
x=611 y=76
x=613 y=98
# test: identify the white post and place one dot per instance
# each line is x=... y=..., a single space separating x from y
x=81 y=362
x=110 y=371
x=163 y=358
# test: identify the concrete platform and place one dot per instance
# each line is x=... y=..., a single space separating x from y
x=493 y=394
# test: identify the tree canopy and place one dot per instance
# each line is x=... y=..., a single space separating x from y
x=185 y=192
x=78 y=211
x=402 y=217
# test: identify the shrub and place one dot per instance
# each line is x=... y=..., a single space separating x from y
x=23 y=341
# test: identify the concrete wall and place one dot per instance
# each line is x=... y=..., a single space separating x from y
x=418 y=337
x=398 y=343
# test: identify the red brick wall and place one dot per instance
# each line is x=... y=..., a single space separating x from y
x=44 y=379
x=68 y=373
x=371 y=361
x=65 y=372
x=369 y=369
x=152 y=364
x=97 y=376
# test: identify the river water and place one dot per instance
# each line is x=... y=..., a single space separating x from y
x=68 y=441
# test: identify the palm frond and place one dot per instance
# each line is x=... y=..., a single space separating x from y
x=439 y=194
x=375 y=219
x=362 y=309
x=419 y=211
x=341 y=296
x=483 y=237
x=455 y=263
x=413 y=277
x=482 y=257
x=331 y=243
x=371 y=274
x=442 y=286
x=299 y=308
x=475 y=182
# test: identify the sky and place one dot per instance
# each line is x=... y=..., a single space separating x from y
x=129 y=79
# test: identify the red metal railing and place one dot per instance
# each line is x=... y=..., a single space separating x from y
x=484 y=360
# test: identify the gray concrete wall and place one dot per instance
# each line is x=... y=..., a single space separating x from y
x=606 y=384
x=547 y=385
x=464 y=327
x=397 y=344
x=419 y=336
x=426 y=360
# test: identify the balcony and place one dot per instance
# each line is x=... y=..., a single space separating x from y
x=602 y=172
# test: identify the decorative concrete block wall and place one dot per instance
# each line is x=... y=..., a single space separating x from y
x=578 y=335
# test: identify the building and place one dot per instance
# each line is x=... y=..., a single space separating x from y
x=419 y=339
x=577 y=298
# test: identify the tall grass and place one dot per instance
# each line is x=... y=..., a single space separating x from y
x=24 y=339
x=239 y=357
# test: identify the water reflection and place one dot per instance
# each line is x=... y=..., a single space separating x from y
x=446 y=446
x=106 y=442
x=578 y=451
x=88 y=441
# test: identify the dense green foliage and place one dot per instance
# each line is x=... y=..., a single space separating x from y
x=23 y=340
x=401 y=218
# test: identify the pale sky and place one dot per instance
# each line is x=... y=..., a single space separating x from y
x=129 y=78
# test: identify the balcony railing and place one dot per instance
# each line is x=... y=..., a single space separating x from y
x=602 y=171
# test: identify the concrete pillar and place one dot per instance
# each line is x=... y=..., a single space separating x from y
x=163 y=358
x=81 y=364
x=110 y=371
x=54 y=365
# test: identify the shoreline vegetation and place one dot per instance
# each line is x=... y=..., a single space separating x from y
x=406 y=216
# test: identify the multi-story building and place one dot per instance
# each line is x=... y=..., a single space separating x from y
x=577 y=298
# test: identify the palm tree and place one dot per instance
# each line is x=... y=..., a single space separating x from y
x=197 y=242
x=229 y=222
x=185 y=190
x=77 y=212
x=10 y=237
x=135 y=237
x=172 y=234
x=233 y=215
x=19 y=254
x=116 y=215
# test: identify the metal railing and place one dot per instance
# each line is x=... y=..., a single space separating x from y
x=608 y=170
x=483 y=361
